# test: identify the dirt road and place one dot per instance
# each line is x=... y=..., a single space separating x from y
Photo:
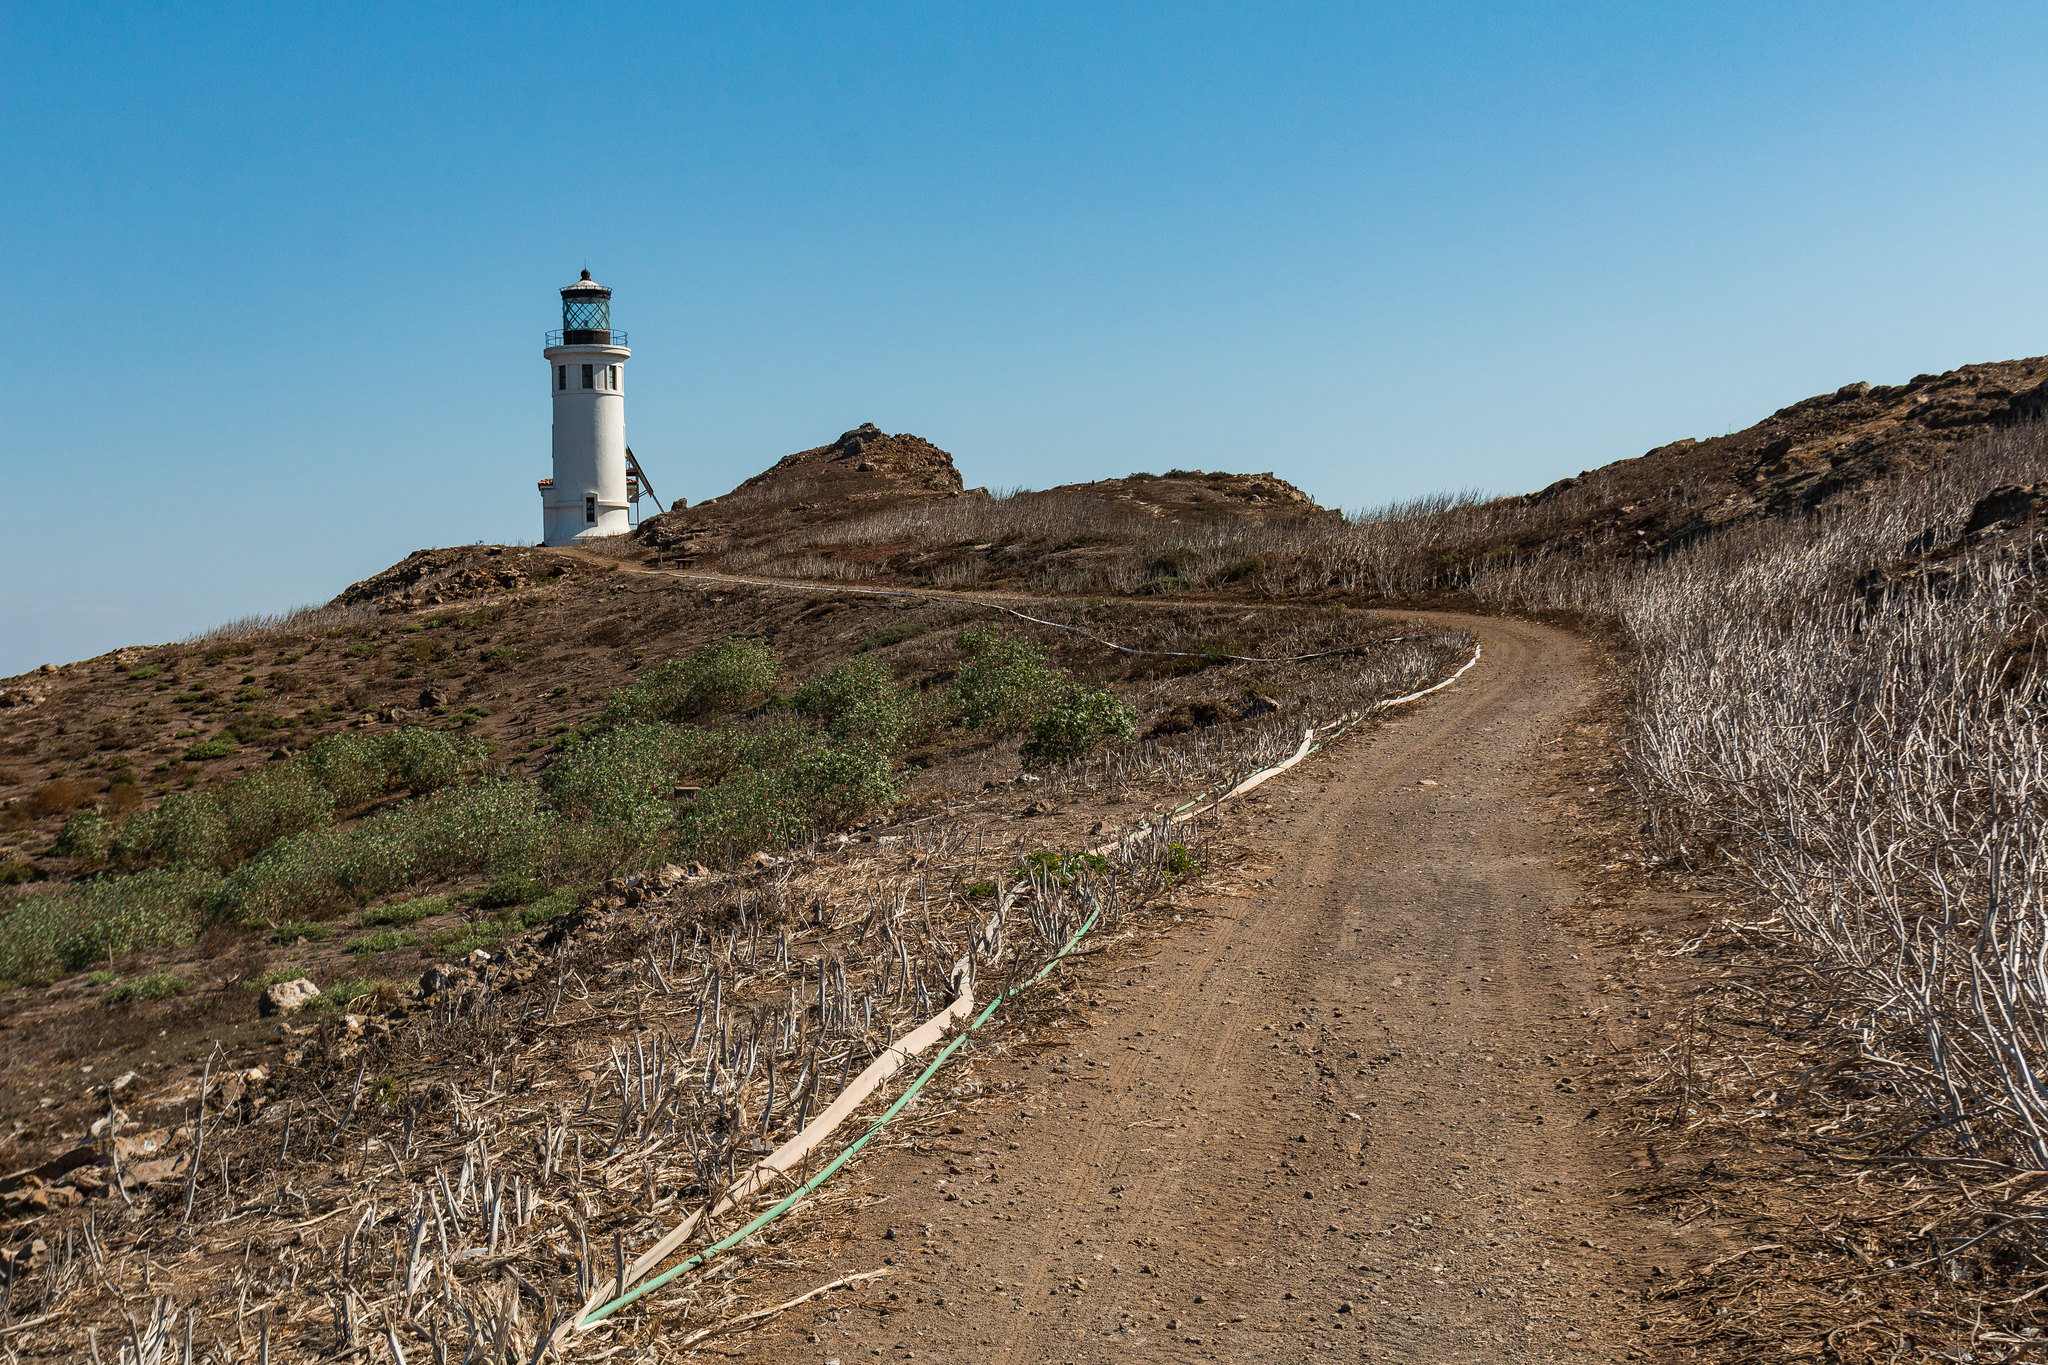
x=1347 y=1115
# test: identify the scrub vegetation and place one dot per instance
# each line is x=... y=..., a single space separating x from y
x=700 y=758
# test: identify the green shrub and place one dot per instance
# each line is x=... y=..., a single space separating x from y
x=630 y=774
x=774 y=807
x=428 y=760
x=341 y=995
x=548 y=907
x=859 y=702
x=1062 y=867
x=405 y=912
x=358 y=769
x=254 y=812
x=155 y=986
x=351 y=767
x=312 y=930
x=218 y=747
x=486 y=933
x=1004 y=682
x=833 y=786
x=730 y=675
x=144 y=672
x=383 y=941
x=102 y=977
x=1179 y=862
x=105 y=918
x=16 y=871
x=1080 y=722
x=188 y=829
x=87 y=836
x=753 y=810
x=509 y=891
x=271 y=804
x=498 y=826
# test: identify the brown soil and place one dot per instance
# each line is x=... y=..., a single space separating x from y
x=1357 y=1109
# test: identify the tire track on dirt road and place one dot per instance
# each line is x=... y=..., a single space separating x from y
x=1346 y=1115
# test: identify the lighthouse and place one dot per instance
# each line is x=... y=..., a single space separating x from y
x=588 y=495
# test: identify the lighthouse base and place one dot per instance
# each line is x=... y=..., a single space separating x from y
x=572 y=519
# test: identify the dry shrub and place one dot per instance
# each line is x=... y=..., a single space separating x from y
x=60 y=796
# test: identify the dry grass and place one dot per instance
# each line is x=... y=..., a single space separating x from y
x=1855 y=759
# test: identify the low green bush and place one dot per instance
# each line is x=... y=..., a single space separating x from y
x=508 y=891
x=834 y=785
x=218 y=747
x=629 y=774
x=155 y=986
x=861 y=703
x=383 y=941
x=496 y=826
x=311 y=930
x=1004 y=681
x=92 y=921
x=765 y=808
x=341 y=995
x=271 y=804
x=87 y=836
x=551 y=906
x=1080 y=722
x=244 y=817
x=750 y=811
x=189 y=829
x=730 y=675
x=358 y=769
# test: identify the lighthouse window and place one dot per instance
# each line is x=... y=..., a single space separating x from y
x=589 y=507
x=588 y=376
x=561 y=376
x=615 y=377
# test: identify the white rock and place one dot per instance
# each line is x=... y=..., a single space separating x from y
x=287 y=996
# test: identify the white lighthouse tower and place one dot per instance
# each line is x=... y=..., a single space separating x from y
x=587 y=497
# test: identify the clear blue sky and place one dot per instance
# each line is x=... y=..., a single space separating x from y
x=279 y=274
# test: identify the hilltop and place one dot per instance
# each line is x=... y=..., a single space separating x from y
x=872 y=504
x=1795 y=461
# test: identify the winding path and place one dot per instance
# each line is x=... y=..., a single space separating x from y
x=1345 y=1115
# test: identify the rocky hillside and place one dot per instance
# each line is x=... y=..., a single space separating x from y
x=1793 y=461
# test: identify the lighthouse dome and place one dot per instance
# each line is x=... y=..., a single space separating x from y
x=587 y=313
